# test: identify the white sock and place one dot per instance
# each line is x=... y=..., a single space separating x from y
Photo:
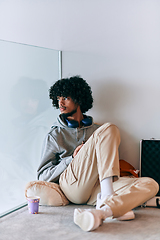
x=106 y=187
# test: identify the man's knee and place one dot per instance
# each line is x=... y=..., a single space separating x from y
x=150 y=183
x=108 y=129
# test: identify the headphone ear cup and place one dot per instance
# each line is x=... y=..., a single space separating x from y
x=87 y=121
x=72 y=123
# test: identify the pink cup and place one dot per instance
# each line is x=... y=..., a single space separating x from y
x=33 y=204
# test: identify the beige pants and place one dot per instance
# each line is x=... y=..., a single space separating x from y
x=99 y=159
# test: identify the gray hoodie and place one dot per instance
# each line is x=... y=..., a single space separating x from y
x=58 y=148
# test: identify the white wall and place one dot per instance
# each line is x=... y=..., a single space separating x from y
x=114 y=45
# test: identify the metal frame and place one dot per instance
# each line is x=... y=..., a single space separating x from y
x=60 y=64
x=13 y=210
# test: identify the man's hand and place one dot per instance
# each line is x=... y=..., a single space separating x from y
x=77 y=150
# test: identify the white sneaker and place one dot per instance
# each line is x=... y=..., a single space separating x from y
x=101 y=204
x=88 y=219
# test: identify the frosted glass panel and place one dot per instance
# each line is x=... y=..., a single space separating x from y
x=26 y=74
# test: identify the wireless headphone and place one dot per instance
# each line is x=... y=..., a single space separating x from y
x=74 y=124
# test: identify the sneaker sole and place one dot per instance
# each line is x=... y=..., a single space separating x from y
x=128 y=216
x=85 y=220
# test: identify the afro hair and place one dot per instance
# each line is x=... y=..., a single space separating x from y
x=75 y=87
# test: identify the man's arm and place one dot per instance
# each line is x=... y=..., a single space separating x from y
x=51 y=165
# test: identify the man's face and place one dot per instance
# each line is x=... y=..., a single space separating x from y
x=67 y=106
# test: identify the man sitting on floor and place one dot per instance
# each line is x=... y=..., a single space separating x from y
x=83 y=158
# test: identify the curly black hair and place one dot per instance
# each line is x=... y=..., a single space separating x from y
x=75 y=87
